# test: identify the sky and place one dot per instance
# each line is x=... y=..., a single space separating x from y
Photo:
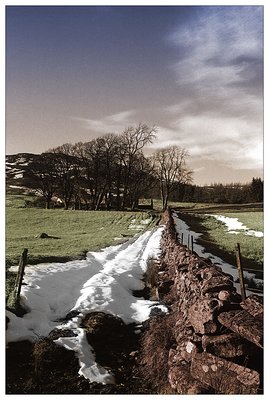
x=74 y=73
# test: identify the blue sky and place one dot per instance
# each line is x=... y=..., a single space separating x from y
x=196 y=72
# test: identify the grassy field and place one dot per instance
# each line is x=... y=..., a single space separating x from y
x=205 y=207
x=252 y=220
x=72 y=233
x=216 y=238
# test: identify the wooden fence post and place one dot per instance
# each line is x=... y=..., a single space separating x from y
x=19 y=278
x=182 y=236
x=191 y=243
x=188 y=240
x=240 y=271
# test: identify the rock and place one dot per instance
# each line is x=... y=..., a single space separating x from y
x=243 y=323
x=224 y=376
x=205 y=303
x=253 y=305
x=201 y=315
x=165 y=287
x=225 y=295
x=208 y=272
x=228 y=345
x=42 y=235
x=174 y=357
x=188 y=349
x=216 y=284
x=134 y=354
x=182 y=381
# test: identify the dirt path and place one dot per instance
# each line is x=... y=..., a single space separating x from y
x=83 y=321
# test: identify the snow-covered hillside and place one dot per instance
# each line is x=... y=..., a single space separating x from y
x=16 y=166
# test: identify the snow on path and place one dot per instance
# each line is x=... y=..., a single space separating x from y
x=234 y=225
x=102 y=282
x=182 y=227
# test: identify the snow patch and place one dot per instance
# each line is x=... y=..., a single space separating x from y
x=102 y=282
x=139 y=224
x=88 y=366
x=234 y=225
x=16 y=187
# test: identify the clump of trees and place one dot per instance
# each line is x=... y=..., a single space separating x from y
x=110 y=171
x=233 y=193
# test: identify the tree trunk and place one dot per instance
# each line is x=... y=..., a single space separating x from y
x=135 y=203
x=108 y=200
x=165 y=201
x=162 y=195
x=100 y=199
x=124 y=197
x=66 y=204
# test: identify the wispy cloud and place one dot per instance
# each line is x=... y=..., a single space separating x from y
x=108 y=124
x=219 y=74
x=235 y=142
x=222 y=47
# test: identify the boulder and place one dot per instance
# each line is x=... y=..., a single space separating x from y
x=201 y=315
x=182 y=381
x=224 y=376
x=243 y=323
x=253 y=305
x=228 y=345
x=216 y=284
x=42 y=235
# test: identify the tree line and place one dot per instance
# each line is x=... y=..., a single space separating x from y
x=112 y=172
x=109 y=172
x=233 y=193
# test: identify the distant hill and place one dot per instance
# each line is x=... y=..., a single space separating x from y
x=16 y=166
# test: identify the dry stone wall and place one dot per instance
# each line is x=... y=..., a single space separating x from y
x=218 y=338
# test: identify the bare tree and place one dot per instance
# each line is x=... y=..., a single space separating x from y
x=108 y=148
x=133 y=141
x=169 y=165
x=67 y=167
x=110 y=170
x=41 y=176
x=142 y=180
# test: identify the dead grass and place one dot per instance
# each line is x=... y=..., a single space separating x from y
x=155 y=345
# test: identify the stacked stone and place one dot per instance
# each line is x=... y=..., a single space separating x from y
x=216 y=333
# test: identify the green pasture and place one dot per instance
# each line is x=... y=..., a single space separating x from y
x=72 y=233
x=217 y=240
x=211 y=208
x=215 y=236
x=252 y=220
